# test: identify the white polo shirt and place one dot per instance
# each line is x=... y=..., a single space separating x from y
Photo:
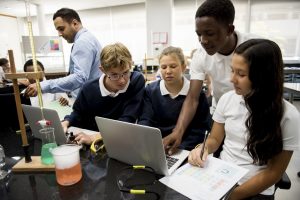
x=217 y=66
x=232 y=112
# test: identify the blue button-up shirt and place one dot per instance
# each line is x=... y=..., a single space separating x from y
x=84 y=65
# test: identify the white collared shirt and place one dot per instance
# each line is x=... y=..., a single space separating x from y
x=105 y=92
x=232 y=112
x=217 y=66
x=184 y=90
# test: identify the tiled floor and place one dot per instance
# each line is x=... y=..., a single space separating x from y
x=292 y=170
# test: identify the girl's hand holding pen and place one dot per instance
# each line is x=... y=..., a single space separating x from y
x=195 y=156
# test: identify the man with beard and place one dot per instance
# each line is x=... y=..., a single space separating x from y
x=84 y=58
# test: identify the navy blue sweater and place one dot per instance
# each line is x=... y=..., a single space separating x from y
x=90 y=103
x=162 y=112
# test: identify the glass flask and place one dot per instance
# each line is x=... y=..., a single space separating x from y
x=48 y=143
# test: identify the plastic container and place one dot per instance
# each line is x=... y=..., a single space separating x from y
x=67 y=164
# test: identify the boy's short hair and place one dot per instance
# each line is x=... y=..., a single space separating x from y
x=3 y=61
x=174 y=51
x=115 y=55
x=67 y=15
x=222 y=10
x=30 y=63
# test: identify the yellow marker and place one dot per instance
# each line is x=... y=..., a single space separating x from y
x=137 y=191
x=138 y=166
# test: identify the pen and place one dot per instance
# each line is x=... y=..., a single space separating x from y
x=203 y=144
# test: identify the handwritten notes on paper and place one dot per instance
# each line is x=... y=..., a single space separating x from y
x=211 y=182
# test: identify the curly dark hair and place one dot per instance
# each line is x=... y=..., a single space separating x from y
x=265 y=102
x=221 y=10
x=67 y=15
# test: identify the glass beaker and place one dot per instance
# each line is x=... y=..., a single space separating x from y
x=67 y=164
x=48 y=143
x=3 y=173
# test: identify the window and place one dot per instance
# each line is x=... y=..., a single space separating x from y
x=280 y=23
x=183 y=31
x=276 y=20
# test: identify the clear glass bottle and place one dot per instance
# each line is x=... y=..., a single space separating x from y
x=2 y=163
x=48 y=143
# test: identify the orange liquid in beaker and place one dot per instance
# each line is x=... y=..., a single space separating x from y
x=69 y=176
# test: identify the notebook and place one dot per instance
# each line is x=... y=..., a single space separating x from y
x=138 y=145
x=33 y=115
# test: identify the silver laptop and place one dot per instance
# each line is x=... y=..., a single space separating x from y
x=33 y=115
x=138 y=145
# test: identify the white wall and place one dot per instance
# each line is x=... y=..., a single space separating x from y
x=126 y=24
x=10 y=39
x=158 y=19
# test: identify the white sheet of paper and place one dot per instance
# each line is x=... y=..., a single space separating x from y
x=62 y=111
x=211 y=182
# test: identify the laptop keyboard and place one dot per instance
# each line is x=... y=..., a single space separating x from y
x=171 y=161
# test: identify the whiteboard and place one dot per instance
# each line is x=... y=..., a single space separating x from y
x=49 y=51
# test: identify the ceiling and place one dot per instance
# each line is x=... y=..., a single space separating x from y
x=17 y=7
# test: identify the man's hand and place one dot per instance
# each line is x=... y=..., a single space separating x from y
x=63 y=101
x=171 y=142
x=24 y=82
x=31 y=90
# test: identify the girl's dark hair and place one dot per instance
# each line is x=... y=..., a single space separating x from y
x=265 y=102
x=221 y=10
x=67 y=15
x=30 y=63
